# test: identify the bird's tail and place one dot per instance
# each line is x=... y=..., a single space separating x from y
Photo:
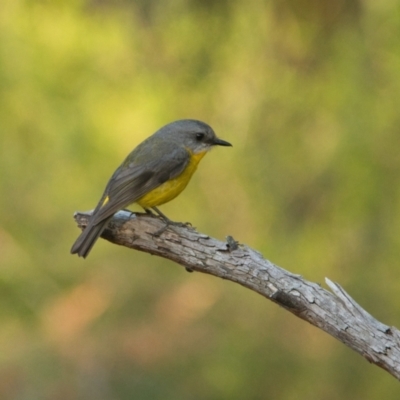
x=88 y=237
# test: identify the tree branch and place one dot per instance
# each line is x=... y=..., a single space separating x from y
x=336 y=313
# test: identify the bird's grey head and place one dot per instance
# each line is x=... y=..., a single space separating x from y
x=195 y=135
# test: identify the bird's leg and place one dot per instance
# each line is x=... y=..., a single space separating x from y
x=162 y=215
x=167 y=221
x=148 y=211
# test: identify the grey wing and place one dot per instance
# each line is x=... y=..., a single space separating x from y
x=130 y=183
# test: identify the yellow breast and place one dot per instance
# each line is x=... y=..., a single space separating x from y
x=170 y=189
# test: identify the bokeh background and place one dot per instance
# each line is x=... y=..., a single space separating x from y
x=308 y=93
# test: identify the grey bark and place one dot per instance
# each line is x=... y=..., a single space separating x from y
x=335 y=313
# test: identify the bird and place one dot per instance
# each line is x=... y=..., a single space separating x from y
x=154 y=173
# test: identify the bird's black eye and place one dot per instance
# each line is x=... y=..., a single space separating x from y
x=199 y=136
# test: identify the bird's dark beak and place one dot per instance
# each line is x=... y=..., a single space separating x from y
x=220 y=142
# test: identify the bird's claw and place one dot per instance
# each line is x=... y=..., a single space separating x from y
x=171 y=223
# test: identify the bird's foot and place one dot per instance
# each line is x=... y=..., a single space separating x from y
x=169 y=223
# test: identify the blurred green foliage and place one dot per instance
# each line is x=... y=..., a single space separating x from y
x=308 y=93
